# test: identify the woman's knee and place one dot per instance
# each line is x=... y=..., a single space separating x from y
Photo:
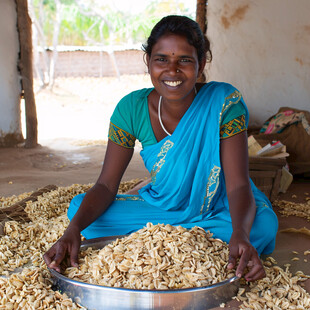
x=265 y=224
x=270 y=221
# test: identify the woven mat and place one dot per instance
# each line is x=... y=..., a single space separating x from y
x=17 y=212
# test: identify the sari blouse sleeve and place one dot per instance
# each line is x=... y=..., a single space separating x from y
x=120 y=130
x=122 y=122
x=233 y=121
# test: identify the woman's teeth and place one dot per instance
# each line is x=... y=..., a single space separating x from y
x=173 y=83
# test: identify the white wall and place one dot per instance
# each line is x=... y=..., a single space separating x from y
x=263 y=48
x=9 y=79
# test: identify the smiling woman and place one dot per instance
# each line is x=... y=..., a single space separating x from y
x=194 y=146
x=177 y=52
x=173 y=67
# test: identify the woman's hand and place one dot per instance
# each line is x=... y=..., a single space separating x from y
x=240 y=247
x=96 y=201
x=67 y=246
x=242 y=207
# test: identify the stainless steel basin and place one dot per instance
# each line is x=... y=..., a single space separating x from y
x=101 y=297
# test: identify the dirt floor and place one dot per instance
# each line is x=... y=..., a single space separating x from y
x=73 y=123
x=25 y=170
x=71 y=152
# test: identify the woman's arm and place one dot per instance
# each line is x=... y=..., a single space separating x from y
x=96 y=201
x=234 y=159
x=103 y=193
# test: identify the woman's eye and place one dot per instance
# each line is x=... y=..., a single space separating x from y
x=161 y=59
x=185 y=60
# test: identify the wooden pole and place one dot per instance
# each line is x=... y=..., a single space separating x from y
x=201 y=19
x=25 y=67
x=201 y=14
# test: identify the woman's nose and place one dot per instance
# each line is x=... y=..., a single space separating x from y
x=173 y=67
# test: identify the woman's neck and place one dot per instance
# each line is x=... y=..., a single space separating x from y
x=174 y=110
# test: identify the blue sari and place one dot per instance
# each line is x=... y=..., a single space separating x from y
x=188 y=186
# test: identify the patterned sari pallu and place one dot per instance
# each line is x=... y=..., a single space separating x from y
x=187 y=187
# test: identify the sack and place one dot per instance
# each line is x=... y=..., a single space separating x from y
x=293 y=130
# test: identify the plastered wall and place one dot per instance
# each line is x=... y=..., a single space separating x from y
x=10 y=125
x=262 y=48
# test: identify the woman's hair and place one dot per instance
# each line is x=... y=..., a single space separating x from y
x=184 y=26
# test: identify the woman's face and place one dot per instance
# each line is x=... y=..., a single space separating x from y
x=174 y=67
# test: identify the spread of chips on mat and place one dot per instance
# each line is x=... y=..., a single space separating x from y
x=25 y=281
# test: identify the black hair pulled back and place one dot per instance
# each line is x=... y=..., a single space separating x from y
x=184 y=26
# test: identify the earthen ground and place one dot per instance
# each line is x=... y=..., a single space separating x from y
x=72 y=149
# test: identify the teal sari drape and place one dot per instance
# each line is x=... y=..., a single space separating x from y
x=186 y=167
x=188 y=186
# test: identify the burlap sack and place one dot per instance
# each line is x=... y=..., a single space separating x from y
x=297 y=142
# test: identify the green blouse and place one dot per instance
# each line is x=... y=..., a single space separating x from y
x=131 y=120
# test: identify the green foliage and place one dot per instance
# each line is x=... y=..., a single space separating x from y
x=91 y=22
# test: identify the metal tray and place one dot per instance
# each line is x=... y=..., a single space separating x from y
x=99 y=297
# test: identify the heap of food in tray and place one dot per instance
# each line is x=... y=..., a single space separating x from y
x=157 y=257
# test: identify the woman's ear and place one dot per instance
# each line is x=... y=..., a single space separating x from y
x=147 y=62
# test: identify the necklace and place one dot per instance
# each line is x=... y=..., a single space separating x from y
x=159 y=117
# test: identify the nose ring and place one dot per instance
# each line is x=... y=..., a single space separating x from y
x=178 y=70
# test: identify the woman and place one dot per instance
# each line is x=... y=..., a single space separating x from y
x=195 y=147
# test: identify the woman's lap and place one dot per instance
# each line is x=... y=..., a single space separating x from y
x=124 y=218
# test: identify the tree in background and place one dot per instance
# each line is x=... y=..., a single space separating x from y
x=103 y=23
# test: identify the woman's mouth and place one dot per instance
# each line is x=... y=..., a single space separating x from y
x=173 y=83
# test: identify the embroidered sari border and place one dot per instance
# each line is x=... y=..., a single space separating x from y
x=121 y=137
x=233 y=127
x=161 y=158
x=233 y=98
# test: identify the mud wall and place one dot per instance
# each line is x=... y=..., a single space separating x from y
x=98 y=64
x=10 y=125
x=84 y=63
x=262 y=48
